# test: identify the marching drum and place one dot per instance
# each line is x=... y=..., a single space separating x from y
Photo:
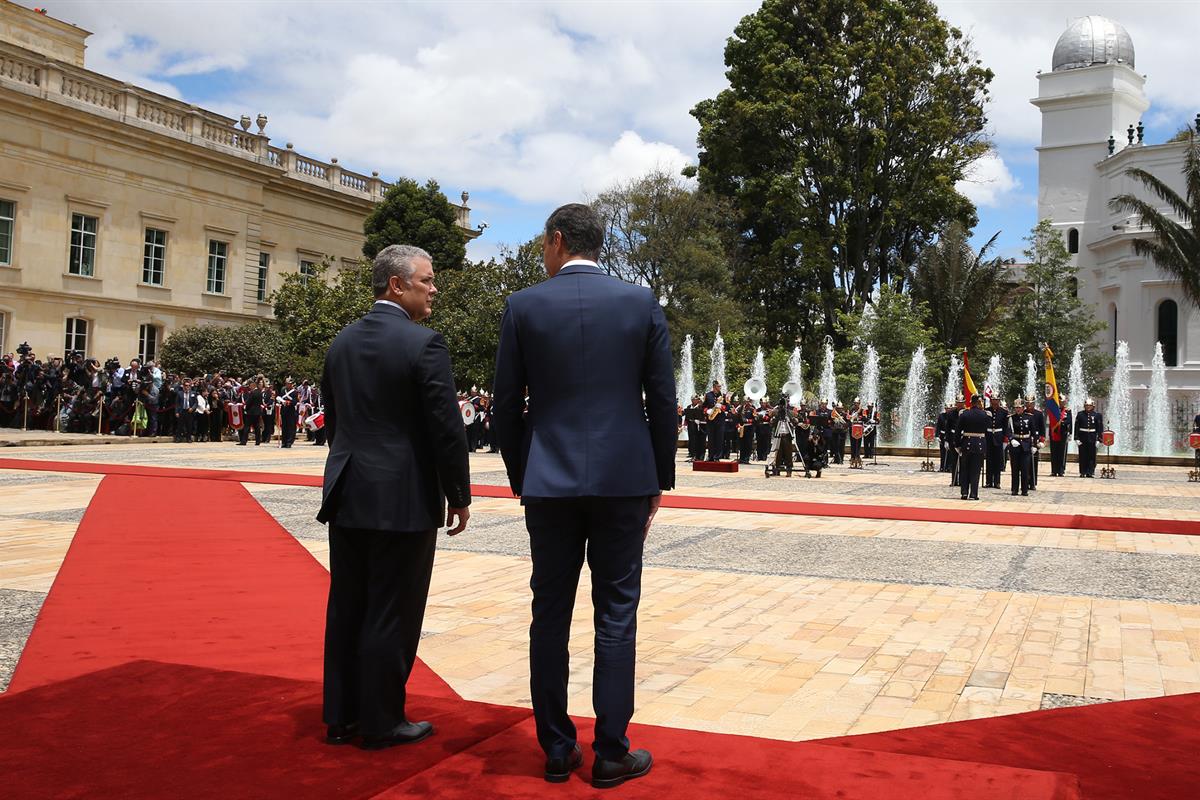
x=467 y=409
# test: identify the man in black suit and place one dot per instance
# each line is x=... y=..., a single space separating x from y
x=584 y=348
x=397 y=459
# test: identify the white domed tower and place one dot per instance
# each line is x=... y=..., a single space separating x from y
x=1092 y=93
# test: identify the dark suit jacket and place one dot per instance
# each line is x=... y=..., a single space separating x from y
x=398 y=450
x=585 y=346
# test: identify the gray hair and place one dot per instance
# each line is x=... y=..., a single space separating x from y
x=395 y=259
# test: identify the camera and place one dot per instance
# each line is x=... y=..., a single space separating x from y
x=113 y=364
x=23 y=349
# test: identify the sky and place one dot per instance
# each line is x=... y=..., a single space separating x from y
x=533 y=104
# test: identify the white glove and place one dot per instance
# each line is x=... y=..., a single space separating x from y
x=1014 y=443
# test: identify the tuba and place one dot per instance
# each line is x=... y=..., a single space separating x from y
x=755 y=389
x=791 y=389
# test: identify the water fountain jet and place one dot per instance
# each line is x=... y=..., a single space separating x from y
x=685 y=386
x=1118 y=412
x=1158 y=410
x=914 y=403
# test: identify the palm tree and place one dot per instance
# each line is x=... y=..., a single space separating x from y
x=961 y=286
x=1175 y=246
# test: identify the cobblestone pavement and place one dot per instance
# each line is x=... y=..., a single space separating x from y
x=791 y=627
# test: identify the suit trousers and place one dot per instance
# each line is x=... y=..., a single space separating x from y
x=378 y=585
x=716 y=440
x=288 y=417
x=609 y=532
x=970 y=465
x=1087 y=458
x=1021 y=466
x=994 y=461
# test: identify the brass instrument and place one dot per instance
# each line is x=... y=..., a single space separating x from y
x=755 y=389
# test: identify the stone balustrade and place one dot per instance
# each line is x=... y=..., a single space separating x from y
x=30 y=73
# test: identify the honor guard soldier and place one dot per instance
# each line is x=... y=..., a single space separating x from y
x=940 y=431
x=1089 y=424
x=1038 y=429
x=1058 y=442
x=972 y=435
x=952 y=441
x=1020 y=446
x=994 y=456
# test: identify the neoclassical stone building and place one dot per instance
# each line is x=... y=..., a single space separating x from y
x=125 y=214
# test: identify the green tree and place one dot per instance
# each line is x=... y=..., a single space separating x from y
x=1175 y=245
x=240 y=350
x=961 y=287
x=1044 y=308
x=667 y=236
x=845 y=127
x=311 y=309
x=895 y=325
x=420 y=216
x=469 y=305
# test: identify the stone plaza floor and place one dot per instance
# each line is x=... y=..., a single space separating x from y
x=789 y=627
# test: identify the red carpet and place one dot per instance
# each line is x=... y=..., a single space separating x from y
x=1143 y=749
x=183 y=661
x=1090 y=522
x=185 y=571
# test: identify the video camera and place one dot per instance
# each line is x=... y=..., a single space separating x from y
x=24 y=350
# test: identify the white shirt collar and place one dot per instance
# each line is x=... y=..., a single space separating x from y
x=586 y=262
x=393 y=305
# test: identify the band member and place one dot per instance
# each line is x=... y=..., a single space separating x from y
x=1059 y=436
x=972 y=433
x=288 y=413
x=715 y=418
x=855 y=415
x=837 y=432
x=732 y=419
x=870 y=430
x=762 y=429
x=693 y=421
x=1089 y=424
x=997 y=427
x=1020 y=446
x=746 y=432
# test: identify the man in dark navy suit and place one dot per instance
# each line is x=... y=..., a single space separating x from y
x=397 y=467
x=593 y=356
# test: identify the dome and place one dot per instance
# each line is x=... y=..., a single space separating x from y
x=1092 y=40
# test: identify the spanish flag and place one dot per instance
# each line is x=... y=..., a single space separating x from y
x=969 y=389
x=1053 y=402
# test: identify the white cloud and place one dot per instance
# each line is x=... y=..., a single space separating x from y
x=988 y=181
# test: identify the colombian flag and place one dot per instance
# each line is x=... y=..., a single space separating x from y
x=969 y=390
x=1053 y=402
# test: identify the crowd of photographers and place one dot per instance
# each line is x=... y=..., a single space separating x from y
x=75 y=394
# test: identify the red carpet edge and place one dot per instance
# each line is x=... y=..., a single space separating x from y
x=1090 y=522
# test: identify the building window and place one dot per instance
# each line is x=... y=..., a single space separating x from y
x=7 y=221
x=147 y=343
x=3 y=330
x=307 y=270
x=154 y=257
x=1168 y=331
x=83 y=245
x=218 y=253
x=264 y=264
x=77 y=336
x=1114 y=329
x=1073 y=240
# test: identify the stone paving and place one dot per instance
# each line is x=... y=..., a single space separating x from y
x=791 y=627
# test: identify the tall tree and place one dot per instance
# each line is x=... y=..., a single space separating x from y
x=840 y=139
x=469 y=305
x=1045 y=308
x=417 y=215
x=668 y=236
x=311 y=309
x=1175 y=246
x=961 y=287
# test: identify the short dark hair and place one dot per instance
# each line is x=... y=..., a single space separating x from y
x=581 y=228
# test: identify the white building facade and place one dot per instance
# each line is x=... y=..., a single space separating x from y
x=1092 y=104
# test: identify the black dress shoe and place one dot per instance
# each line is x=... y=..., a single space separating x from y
x=404 y=733
x=558 y=770
x=341 y=734
x=607 y=774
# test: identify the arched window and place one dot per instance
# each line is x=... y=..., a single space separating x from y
x=1168 y=331
x=1073 y=240
x=1114 y=329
